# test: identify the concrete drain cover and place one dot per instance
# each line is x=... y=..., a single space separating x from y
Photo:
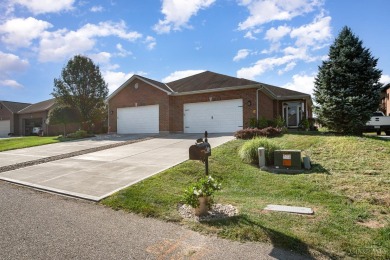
x=291 y=209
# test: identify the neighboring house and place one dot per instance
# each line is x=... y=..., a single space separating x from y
x=35 y=115
x=205 y=101
x=385 y=102
x=9 y=123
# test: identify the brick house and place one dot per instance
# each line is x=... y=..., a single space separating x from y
x=205 y=101
x=9 y=117
x=385 y=102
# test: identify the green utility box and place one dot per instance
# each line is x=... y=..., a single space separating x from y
x=288 y=159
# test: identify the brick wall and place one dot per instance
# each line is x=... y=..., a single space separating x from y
x=5 y=114
x=144 y=95
x=247 y=95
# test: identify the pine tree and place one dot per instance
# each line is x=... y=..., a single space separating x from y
x=347 y=88
x=82 y=87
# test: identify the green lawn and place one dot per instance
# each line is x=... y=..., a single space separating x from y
x=348 y=188
x=28 y=141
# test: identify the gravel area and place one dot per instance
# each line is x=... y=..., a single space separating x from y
x=217 y=211
x=68 y=155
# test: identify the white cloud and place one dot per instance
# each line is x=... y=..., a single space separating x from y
x=150 y=42
x=301 y=83
x=288 y=67
x=278 y=33
x=308 y=38
x=250 y=36
x=101 y=57
x=46 y=6
x=265 y=11
x=122 y=51
x=241 y=54
x=97 y=9
x=313 y=34
x=178 y=13
x=63 y=43
x=10 y=83
x=20 y=32
x=262 y=66
x=11 y=63
x=116 y=79
x=385 y=79
x=180 y=74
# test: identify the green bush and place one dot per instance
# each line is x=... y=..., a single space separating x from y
x=249 y=150
x=78 y=134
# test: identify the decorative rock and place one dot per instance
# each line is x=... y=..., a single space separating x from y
x=217 y=211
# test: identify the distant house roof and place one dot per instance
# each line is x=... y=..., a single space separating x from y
x=14 y=107
x=208 y=81
x=38 y=107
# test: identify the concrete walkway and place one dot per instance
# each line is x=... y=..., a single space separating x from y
x=97 y=175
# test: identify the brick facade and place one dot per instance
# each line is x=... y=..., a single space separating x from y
x=171 y=106
x=143 y=95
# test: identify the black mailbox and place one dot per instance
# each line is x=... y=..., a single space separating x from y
x=200 y=151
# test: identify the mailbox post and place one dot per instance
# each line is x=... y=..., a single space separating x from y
x=201 y=151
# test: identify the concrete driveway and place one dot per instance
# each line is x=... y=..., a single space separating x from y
x=97 y=175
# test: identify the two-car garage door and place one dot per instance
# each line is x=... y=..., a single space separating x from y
x=213 y=117
x=135 y=120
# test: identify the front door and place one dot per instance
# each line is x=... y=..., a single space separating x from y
x=292 y=114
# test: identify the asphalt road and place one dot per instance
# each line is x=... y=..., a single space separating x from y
x=37 y=225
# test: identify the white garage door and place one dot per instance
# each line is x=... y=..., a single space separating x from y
x=136 y=120
x=213 y=117
x=5 y=128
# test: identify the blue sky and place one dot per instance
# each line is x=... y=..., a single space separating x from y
x=278 y=42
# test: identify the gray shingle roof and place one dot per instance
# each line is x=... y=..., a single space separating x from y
x=14 y=107
x=38 y=107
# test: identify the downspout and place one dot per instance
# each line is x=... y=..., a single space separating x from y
x=108 y=118
x=257 y=101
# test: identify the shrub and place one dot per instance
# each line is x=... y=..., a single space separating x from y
x=205 y=187
x=250 y=133
x=78 y=134
x=262 y=123
x=249 y=150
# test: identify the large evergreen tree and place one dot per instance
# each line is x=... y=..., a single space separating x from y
x=347 y=88
x=82 y=87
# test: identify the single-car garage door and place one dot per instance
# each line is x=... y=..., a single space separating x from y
x=5 y=128
x=213 y=117
x=136 y=120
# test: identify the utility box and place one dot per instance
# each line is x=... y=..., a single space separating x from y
x=288 y=159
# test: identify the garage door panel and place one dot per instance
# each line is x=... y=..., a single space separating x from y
x=134 y=120
x=214 y=117
x=5 y=128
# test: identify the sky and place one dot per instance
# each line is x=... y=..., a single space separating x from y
x=277 y=42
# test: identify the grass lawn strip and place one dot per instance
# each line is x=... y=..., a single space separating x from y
x=348 y=188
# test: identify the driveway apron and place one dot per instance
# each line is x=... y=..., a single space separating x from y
x=97 y=175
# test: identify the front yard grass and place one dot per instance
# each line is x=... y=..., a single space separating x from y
x=27 y=141
x=348 y=188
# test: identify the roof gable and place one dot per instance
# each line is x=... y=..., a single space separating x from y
x=14 y=107
x=38 y=107
x=159 y=85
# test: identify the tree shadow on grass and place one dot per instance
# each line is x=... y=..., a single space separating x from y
x=242 y=228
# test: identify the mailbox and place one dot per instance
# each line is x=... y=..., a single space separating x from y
x=200 y=150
